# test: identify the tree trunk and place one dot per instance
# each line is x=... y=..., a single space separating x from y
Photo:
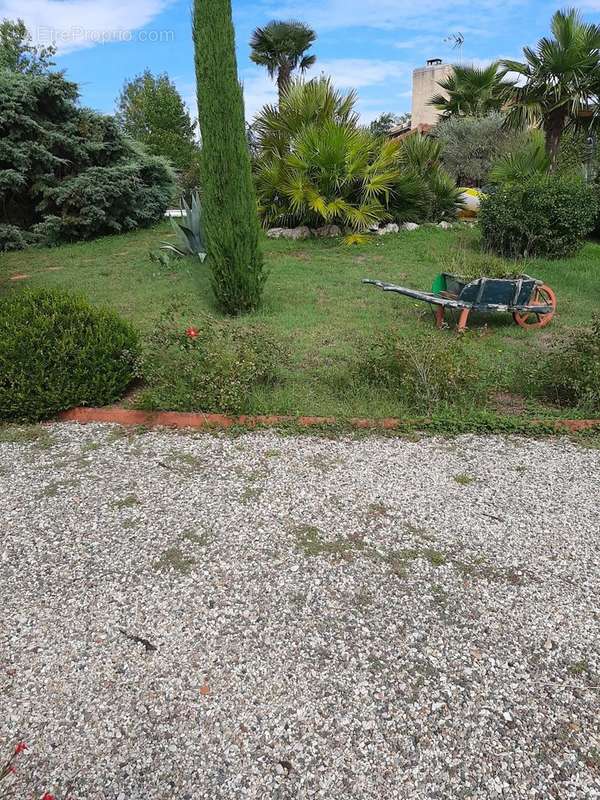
x=284 y=77
x=554 y=126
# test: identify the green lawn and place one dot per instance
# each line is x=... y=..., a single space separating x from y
x=316 y=306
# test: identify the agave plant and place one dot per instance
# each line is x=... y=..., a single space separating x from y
x=189 y=232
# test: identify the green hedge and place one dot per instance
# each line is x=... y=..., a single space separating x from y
x=58 y=351
x=542 y=217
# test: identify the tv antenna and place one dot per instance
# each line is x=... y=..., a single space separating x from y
x=456 y=40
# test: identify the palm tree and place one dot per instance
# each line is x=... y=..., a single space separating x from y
x=280 y=47
x=558 y=81
x=471 y=91
x=312 y=102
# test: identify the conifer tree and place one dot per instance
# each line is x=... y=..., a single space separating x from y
x=230 y=213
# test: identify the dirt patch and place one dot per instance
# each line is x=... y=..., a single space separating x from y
x=508 y=403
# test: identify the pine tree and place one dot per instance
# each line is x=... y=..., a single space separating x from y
x=230 y=214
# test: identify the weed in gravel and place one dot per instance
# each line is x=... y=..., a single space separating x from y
x=325 y=463
x=54 y=487
x=481 y=570
x=250 y=493
x=174 y=560
x=375 y=510
x=186 y=461
x=463 y=479
x=310 y=540
x=593 y=758
x=130 y=501
x=201 y=539
x=272 y=453
x=27 y=434
x=419 y=533
x=399 y=560
x=364 y=598
x=128 y=524
x=579 y=667
x=90 y=447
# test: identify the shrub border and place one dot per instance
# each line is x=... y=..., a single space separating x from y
x=202 y=421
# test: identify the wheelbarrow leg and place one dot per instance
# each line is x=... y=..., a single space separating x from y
x=439 y=316
x=462 y=320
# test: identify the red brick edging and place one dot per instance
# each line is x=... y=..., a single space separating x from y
x=181 y=419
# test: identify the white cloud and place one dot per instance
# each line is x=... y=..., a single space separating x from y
x=346 y=73
x=392 y=14
x=75 y=24
x=356 y=73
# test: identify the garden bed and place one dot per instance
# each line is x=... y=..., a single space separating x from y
x=317 y=310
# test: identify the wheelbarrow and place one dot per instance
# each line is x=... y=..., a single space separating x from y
x=531 y=302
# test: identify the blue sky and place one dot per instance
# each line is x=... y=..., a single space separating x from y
x=371 y=45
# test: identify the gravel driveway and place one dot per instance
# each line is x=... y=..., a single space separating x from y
x=274 y=617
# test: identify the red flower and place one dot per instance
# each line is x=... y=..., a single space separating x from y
x=20 y=747
x=192 y=333
x=48 y=796
x=11 y=769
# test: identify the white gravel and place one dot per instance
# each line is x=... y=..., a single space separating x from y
x=354 y=618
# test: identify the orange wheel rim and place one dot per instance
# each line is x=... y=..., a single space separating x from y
x=543 y=296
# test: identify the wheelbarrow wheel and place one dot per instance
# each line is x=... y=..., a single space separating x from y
x=543 y=296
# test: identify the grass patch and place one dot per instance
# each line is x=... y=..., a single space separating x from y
x=27 y=434
x=310 y=541
x=464 y=480
x=319 y=312
x=130 y=501
x=173 y=560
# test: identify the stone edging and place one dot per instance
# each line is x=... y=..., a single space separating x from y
x=180 y=419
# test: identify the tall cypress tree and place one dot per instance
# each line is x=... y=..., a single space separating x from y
x=230 y=215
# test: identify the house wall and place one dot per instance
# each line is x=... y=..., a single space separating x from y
x=425 y=86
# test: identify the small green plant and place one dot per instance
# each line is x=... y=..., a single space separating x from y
x=58 y=351
x=542 y=216
x=212 y=366
x=469 y=264
x=189 y=232
x=570 y=372
x=425 y=370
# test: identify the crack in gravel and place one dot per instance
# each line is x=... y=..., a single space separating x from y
x=331 y=618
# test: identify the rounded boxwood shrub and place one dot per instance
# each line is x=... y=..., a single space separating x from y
x=545 y=216
x=58 y=351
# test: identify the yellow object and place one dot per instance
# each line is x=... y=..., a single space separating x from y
x=472 y=201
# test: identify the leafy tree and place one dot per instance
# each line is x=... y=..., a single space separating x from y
x=384 y=123
x=68 y=172
x=230 y=219
x=471 y=91
x=151 y=111
x=470 y=145
x=19 y=54
x=281 y=48
x=559 y=79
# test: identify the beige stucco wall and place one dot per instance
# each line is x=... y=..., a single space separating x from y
x=425 y=80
